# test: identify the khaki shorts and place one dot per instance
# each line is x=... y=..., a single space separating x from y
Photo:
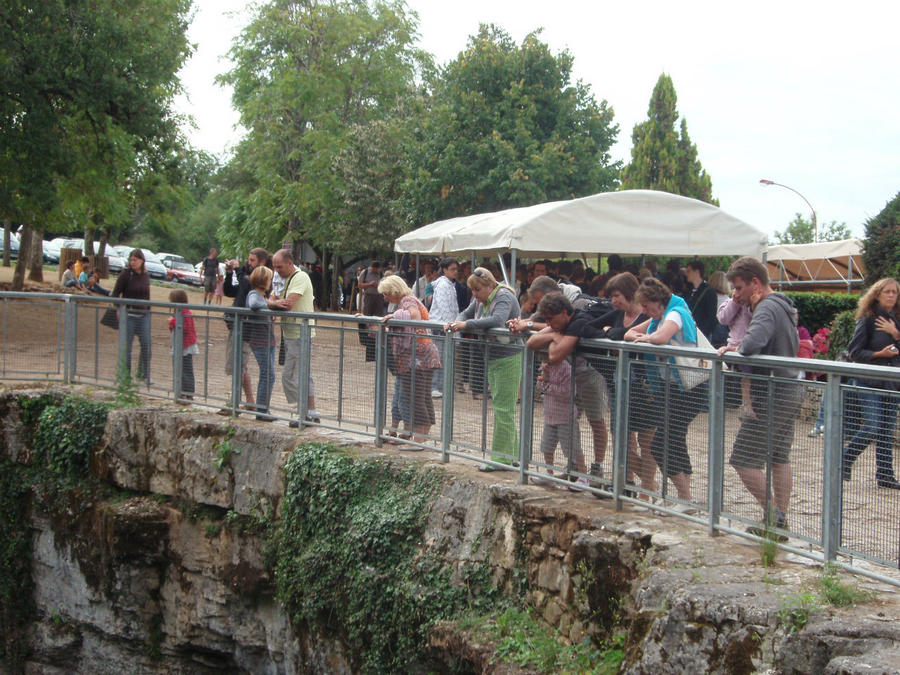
x=591 y=395
x=246 y=356
x=209 y=284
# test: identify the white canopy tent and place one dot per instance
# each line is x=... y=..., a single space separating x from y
x=827 y=264
x=628 y=222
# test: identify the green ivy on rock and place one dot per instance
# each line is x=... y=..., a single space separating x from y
x=348 y=557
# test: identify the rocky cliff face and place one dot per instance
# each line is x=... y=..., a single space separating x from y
x=166 y=571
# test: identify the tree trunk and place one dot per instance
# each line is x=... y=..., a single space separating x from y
x=104 y=238
x=18 y=281
x=36 y=266
x=336 y=284
x=89 y=239
x=322 y=291
x=7 y=228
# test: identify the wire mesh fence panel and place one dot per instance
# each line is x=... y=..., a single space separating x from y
x=471 y=417
x=592 y=376
x=642 y=421
x=96 y=345
x=27 y=353
x=343 y=367
x=679 y=445
x=413 y=359
x=485 y=417
x=870 y=507
x=767 y=430
x=759 y=484
x=557 y=430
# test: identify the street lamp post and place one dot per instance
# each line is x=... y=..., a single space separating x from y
x=766 y=181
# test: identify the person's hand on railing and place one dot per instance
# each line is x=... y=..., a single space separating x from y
x=726 y=348
x=520 y=325
x=386 y=318
x=455 y=327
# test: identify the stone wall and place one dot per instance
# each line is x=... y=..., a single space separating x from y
x=153 y=581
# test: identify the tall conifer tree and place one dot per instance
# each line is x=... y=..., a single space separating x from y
x=661 y=158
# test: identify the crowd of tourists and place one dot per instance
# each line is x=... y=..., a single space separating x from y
x=556 y=306
x=561 y=302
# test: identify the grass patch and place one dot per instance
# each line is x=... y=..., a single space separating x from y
x=526 y=641
x=838 y=593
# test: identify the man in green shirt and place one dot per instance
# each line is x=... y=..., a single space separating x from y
x=297 y=296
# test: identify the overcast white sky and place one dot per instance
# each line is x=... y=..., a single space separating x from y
x=805 y=94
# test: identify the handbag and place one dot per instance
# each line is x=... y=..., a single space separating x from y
x=110 y=318
x=692 y=371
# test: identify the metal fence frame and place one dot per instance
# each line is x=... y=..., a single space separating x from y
x=826 y=548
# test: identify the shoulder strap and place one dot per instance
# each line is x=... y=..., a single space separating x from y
x=288 y=283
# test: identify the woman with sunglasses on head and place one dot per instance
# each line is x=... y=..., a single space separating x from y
x=492 y=306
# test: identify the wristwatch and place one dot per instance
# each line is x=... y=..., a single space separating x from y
x=529 y=324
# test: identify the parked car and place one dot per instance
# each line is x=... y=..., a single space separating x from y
x=51 y=252
x=183 y=273
x=168 y=258
x=156 y=269
x=13 y=246
x=154 y=265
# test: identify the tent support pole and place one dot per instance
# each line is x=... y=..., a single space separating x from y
x=503 y=269
x=849 y=273
x=512 y=269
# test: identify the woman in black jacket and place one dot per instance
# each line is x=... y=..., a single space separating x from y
x=134 y=282
x=875 y=341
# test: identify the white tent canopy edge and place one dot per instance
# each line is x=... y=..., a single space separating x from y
x=628 y=222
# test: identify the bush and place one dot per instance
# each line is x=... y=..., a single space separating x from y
x=881 y=246
x=841 y=331
x=818 y=310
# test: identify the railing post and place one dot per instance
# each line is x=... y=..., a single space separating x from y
x=70 y=340
x=237 y=362
x=620 y=425
x=123 y=340
x=381 y=344
x=716 y=445
x=448 y=362
x=303 y=371
x=526 y=414
x=177 y=351
x=831 y=470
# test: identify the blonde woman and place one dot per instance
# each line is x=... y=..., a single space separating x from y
x=414 y=375
x=492 y=306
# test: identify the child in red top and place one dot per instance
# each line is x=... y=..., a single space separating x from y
x=189 y=343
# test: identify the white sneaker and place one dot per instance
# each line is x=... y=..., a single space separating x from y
x=436 y=393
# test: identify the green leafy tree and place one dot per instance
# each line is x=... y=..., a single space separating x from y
x=506 y=127
x=77 y=72
x=881 y=246
x=306 y=72
x=661 y=158
x=802 y=231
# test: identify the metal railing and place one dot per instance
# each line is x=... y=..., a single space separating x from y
x=621 y=428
